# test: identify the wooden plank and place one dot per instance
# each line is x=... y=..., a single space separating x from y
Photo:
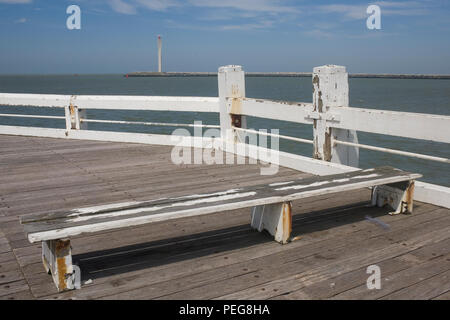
x=22 y=295
x=37 y=100
x=429 y=193
x=145 y=185
x=13 y=288
x=192 y=226
x=10 y=276
x=444 y=296
x=4 y=245
x=298 y=112
x=328 y=288
x=426 y=289
x=129 y=137
x=394 y=123
x=400 y=280
x=144 y=188
x=6 y=256
x=182 y=227
x=286 y=272
x=62 y=224
x=111 y=102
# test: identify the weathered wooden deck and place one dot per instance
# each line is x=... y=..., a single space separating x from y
x=209 y=257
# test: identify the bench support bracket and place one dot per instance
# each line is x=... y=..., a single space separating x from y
x=275 y=218
x=399 y=196
x=57 y=260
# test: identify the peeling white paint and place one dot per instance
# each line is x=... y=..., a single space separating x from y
x=279 y=183
x=161 y=207
x=374 y=175
x=341 y=180
x=302 y=186
x=95 y=209
x=209 y=194
x=251 y=200
x=321 y=183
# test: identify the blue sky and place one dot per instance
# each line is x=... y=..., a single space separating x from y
x=119 y=36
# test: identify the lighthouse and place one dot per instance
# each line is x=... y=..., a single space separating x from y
x=159 y=54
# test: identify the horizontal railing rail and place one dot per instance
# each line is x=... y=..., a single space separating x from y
x=159 y=124
x=401 y=124
x=112 y=102
x=298 y=112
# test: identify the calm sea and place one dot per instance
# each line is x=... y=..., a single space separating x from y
x=426 y=96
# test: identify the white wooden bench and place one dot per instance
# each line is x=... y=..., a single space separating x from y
x=271 y=211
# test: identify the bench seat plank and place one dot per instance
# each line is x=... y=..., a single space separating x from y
x=63 y=224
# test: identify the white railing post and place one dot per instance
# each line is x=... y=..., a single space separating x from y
x=330 y=89
x=231 y=81
x=74 y=115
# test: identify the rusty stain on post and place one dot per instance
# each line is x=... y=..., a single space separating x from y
x=327 y=145
x=72 y=109
x=409 y=196
x=236 y=110
x=62 y=248
x=236 y=120
x=62 y=270
x=287 y=221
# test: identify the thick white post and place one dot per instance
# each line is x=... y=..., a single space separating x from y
x=57 y=260
x=274 y=218
x=231 y=81
x=330 y=89
x=399 y=196
x=74 y=115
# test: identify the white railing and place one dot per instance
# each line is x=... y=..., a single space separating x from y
x=336 y=148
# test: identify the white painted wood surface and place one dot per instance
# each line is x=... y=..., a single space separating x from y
x=424 y=192
x=432 y=193
x=112 y=102
x=93 y=219
x=57 y=260
x=231 y=82
x=129 y=137
x=36 y=100
x=398 y=196
x=298 y=112
x=330 y=89
x=401 y=124
x=274 y=218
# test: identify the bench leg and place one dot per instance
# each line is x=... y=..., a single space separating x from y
x=399 y=196
x=275 y=218
x=57 y=260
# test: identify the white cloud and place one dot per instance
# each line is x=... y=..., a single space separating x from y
x=248 y=26
x=349 y=11
x=16 y=1
x=255 y=14
x=122 y=7
x=246 y=5
x=21 y=20
x=157 y=5
x=318 y=33
x=406 y=8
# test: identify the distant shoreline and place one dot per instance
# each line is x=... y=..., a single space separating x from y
x=286 y=74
